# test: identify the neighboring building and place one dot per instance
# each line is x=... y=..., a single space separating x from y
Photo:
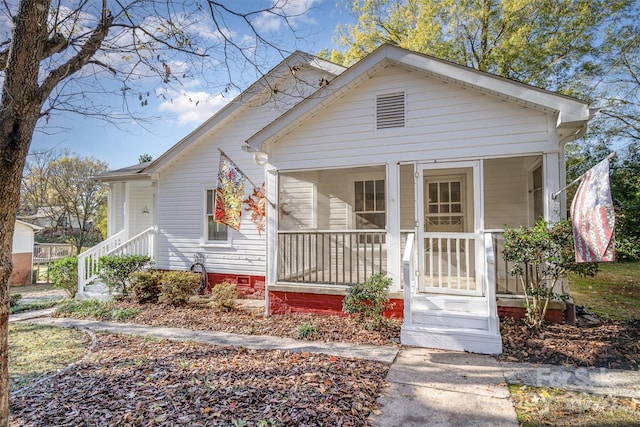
x=402 y=164
x=22 y=253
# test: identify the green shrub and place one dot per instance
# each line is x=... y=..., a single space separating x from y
x=145 y=286
x=35 y=305
x=369 y=300
x=64 y=275
x=115 y=270
x=176 y=287
x=94 y=309
x=306 y=331
x=14 y=300
x=541 y=256
x=224 y=295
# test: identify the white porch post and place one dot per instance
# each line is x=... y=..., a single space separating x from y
x=271 y=230
x=551 y=169
x=393 y=225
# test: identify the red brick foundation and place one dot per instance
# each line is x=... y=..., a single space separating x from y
x=250 y=287
x=253 y=287
x=553 y=315
x=21 y=274
x=298 y=302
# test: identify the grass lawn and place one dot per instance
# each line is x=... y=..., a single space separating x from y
x=537 y=406
x=614 y=293
x=39 y=350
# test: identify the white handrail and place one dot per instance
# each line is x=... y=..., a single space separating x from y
x=490 y=279
x=140 y=244
x=407 y=268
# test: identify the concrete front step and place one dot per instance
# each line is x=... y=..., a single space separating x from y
x=97 y=291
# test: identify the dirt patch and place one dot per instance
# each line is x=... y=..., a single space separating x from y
x=137 y=381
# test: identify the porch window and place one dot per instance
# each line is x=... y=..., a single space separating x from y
x=369 y=205
x=215 y=232
x=445 y=205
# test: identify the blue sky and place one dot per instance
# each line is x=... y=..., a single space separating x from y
x=121 y=145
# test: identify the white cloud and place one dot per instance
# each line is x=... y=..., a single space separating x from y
x=296 y=10
x=191 y=107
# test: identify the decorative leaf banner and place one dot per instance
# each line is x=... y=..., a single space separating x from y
x=229 y=193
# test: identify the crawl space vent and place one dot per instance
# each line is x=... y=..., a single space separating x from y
x=390 y=110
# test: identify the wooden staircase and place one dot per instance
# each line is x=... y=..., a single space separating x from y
x=447 y=321
x=453 y=323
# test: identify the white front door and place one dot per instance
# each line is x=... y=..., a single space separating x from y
x=449 y=216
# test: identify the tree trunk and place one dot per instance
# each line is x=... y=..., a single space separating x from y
x=19 y=112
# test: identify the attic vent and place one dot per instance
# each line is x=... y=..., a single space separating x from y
x=390 y=110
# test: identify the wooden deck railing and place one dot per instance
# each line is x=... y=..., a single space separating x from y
x=331 y=257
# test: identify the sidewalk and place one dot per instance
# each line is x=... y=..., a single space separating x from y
x=426 y=386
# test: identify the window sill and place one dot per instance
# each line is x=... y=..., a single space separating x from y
x=221 y=245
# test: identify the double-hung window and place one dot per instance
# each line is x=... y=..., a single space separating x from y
x=214 y=232
x=370 y=207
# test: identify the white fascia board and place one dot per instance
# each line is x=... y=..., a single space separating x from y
x=32 y=226
x=350 y=77
x=572 y=109
x=253 y=91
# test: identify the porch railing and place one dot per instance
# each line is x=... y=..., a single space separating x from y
x=331 y=257
x=141 y=244
x=505 y=283
x=450 y=262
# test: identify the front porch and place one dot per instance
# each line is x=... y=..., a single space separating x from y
x=428 y=226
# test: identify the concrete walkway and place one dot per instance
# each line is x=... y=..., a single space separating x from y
x=426 y=386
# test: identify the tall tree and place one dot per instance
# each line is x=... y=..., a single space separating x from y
x=78 y=193
x=540 y=42
x=67 y=56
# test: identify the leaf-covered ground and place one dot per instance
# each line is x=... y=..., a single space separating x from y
x=135 y=381
x=252 y=322
x=593 y=341
x=590 y=342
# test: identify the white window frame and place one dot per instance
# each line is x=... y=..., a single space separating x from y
x=204 y=241
x=364 y=178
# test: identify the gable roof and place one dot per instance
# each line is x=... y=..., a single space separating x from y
x=134 y=171
x=572 y=114
x=34 y=227
x=255 y=90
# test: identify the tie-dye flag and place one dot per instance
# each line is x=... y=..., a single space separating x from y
x=593 y=216
x=229 y=193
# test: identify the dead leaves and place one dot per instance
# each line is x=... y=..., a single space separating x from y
x=133 y=381
x=609 y=344
x=202 y=317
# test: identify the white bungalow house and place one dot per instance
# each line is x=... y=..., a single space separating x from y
x=402 y=164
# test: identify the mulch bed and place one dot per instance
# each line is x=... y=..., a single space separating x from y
x=591 y=342
x=135 y=381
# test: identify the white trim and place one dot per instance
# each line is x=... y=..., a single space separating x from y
x=571 y=113
x=204 y=228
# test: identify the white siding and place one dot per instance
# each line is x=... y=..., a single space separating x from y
x=506 y=191
x=297 y=203
x=22 y=239
x=182 y=184
x=140 y=195
x=444 y=121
